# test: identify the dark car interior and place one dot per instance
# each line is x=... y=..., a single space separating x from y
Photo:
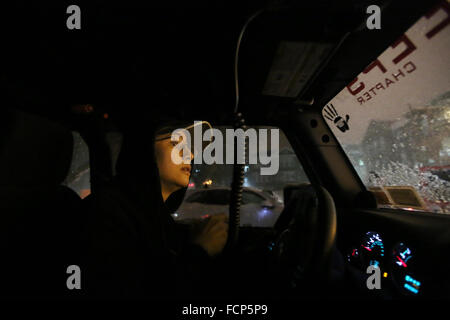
x=132 y=60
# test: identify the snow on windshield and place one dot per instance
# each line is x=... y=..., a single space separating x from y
x=393 y=119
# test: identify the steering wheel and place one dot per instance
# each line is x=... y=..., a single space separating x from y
x=306 y=232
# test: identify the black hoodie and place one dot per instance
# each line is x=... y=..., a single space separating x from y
x=134 y=247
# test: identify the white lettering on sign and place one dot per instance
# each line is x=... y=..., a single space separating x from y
x=397 y=68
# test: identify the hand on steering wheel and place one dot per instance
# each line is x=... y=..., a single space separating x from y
x=306 y=235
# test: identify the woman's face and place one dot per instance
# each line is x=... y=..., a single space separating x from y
x=173 y=176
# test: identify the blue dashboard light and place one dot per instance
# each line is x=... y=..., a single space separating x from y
x=414 y=282
x=410 y=288
x=374 y=263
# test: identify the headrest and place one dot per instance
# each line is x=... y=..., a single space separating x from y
x=33 y=150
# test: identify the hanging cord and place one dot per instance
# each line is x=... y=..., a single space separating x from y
x=239 y=165
x=236 y=57
x=237 y=185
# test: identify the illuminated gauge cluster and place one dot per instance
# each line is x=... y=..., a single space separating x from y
x=372 y=249
x=403 y=269
x=369 y=253
x=398 y=266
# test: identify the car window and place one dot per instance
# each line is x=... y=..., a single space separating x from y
x=251 y=197
x=393 y=119
x=216 y=197
x=78 y=177
x=211 y=184
x=196 y=197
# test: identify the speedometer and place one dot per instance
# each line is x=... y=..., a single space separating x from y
x=372 y=249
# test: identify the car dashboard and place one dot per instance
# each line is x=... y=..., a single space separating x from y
x=396 y=268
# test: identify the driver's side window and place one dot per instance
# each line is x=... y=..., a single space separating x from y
x=249 y=197
x=262 y=199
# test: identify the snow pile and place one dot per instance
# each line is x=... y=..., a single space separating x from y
x=435 y=191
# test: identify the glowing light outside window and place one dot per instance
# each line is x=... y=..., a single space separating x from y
x=447 y=114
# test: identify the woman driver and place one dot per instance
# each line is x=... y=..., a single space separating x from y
x=134 y=247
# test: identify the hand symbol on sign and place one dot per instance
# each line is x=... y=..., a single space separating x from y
x=332 y=115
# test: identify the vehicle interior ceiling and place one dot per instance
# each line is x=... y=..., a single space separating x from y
x=201 y=81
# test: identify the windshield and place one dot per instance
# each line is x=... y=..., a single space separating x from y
x=393 y=119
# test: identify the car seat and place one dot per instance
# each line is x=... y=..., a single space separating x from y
x=40 y=220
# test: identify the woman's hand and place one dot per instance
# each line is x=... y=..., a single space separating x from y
x=212 y=235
